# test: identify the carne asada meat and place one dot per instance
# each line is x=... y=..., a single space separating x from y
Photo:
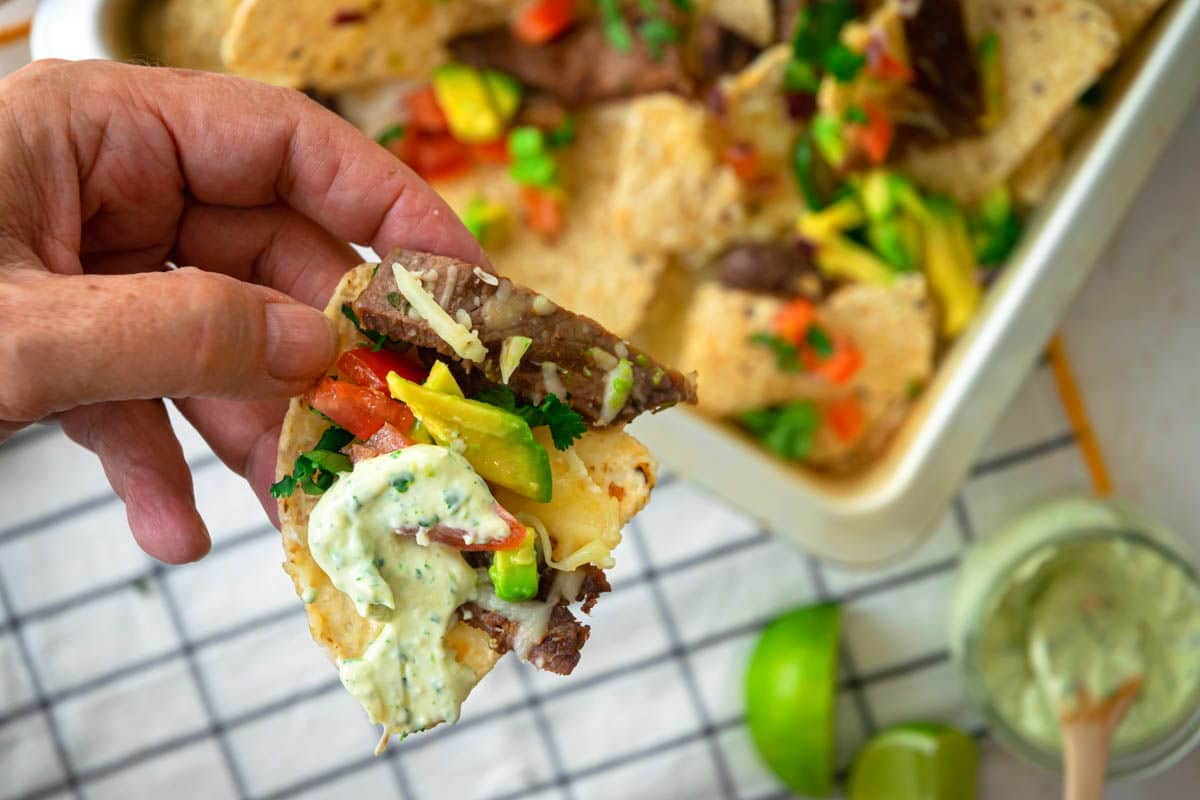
x=602 y=377
x=580 y=67
x=773 y=268
x=939 y=50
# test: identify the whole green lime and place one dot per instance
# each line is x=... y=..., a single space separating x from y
x=791 y=687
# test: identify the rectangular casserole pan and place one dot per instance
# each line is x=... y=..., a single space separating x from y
x=885 y=511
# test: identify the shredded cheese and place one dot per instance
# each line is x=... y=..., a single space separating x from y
x=486 y=276
x=464 y=342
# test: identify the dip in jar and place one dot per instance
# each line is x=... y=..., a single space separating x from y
x=1075 y=600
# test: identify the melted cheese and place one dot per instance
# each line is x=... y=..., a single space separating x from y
x=461 y=339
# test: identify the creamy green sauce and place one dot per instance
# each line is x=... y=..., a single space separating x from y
x=406 y=679
x=1088 y=617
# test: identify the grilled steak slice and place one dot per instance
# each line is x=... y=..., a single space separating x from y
x=557 y=652
x=580 y=67
x=939 y=49
x=569 y=355
x=784 y=268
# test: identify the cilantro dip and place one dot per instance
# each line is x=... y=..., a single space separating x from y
x=1079 y=598
x=407 y=679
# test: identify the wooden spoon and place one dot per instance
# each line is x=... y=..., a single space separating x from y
x=1087 y=733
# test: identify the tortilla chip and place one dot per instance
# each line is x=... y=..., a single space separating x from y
x=1129 y=15
x=1033 y=179
x=1053 y=50
x=893 y=327
x=755 y=111
x=609 y=470
x=671 y=194
x=750 y=19
x=334 y=46
x=191 y=31
x=589 y=268
x=662 y=330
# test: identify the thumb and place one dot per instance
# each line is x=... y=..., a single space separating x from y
x=67 y=341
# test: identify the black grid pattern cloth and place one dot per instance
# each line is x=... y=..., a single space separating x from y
x=121 y=678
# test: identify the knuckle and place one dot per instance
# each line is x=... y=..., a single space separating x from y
x=25 y=392
x=226 y=329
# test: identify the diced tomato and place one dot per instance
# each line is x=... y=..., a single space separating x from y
x=359 y=410
x=493 y=152
x=439 y=156
x=543 y=210
x=424 y=113
x=875 y=137
x=793 y=321
x=846 y=418
x=542 y=20
x=840 y=366
x=744 y=159
x=456 y=537
x=882 y=65
x=369 y=368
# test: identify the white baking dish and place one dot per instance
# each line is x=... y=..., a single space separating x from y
x=887 y=510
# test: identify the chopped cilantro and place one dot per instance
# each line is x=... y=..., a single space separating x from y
x=314 y=470
x=615 y=27
x=819 y=341
x=785 y=430
x=377 y=338
x=683 y=5
x=563 y=135
x=395 y=300
x=658 y=33
x=390 y=134
x=843 y=63
x=786 y=356
x=856 y=115
x=564 y=422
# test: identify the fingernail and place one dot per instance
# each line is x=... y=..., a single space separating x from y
x=299 y=341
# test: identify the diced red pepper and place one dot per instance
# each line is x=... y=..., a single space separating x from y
x=439 y=156
x=875 y=137
x=792 y=322
x=846 y=418
x=840 y=366
x=543 y=210
x=542 y=20
x=424 y=113
x=744 y=159
x=360 y=410
x=369 y=368
x=494 y=152
x=884 y=66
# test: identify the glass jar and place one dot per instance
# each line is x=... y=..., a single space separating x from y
x=994 y=576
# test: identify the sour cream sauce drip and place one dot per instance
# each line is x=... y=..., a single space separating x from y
x=406 y=678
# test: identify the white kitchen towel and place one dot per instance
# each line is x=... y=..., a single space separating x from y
x=121 y=678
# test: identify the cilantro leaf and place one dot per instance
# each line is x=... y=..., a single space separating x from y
x=819 y=341
x=785 y=430
x=314 y=470
x=377 y=338
x=615 y=28
x=787 y=358
x=565 y=424
x=390 y=134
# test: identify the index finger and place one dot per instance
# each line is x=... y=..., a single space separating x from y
x=243 y=143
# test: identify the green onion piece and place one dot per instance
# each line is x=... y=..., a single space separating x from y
x=539 y=170
x=615 y=27
x=843 y=63
x=802 y=170
x=526 y=142
x=800 y=76
x=390 y=134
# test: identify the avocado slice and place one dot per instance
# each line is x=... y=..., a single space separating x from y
x=497 y=443
x=440 y=379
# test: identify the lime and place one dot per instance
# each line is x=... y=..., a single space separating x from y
x=916 y=761
x=790 y=694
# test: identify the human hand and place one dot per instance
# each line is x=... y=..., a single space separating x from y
x=108 y=171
